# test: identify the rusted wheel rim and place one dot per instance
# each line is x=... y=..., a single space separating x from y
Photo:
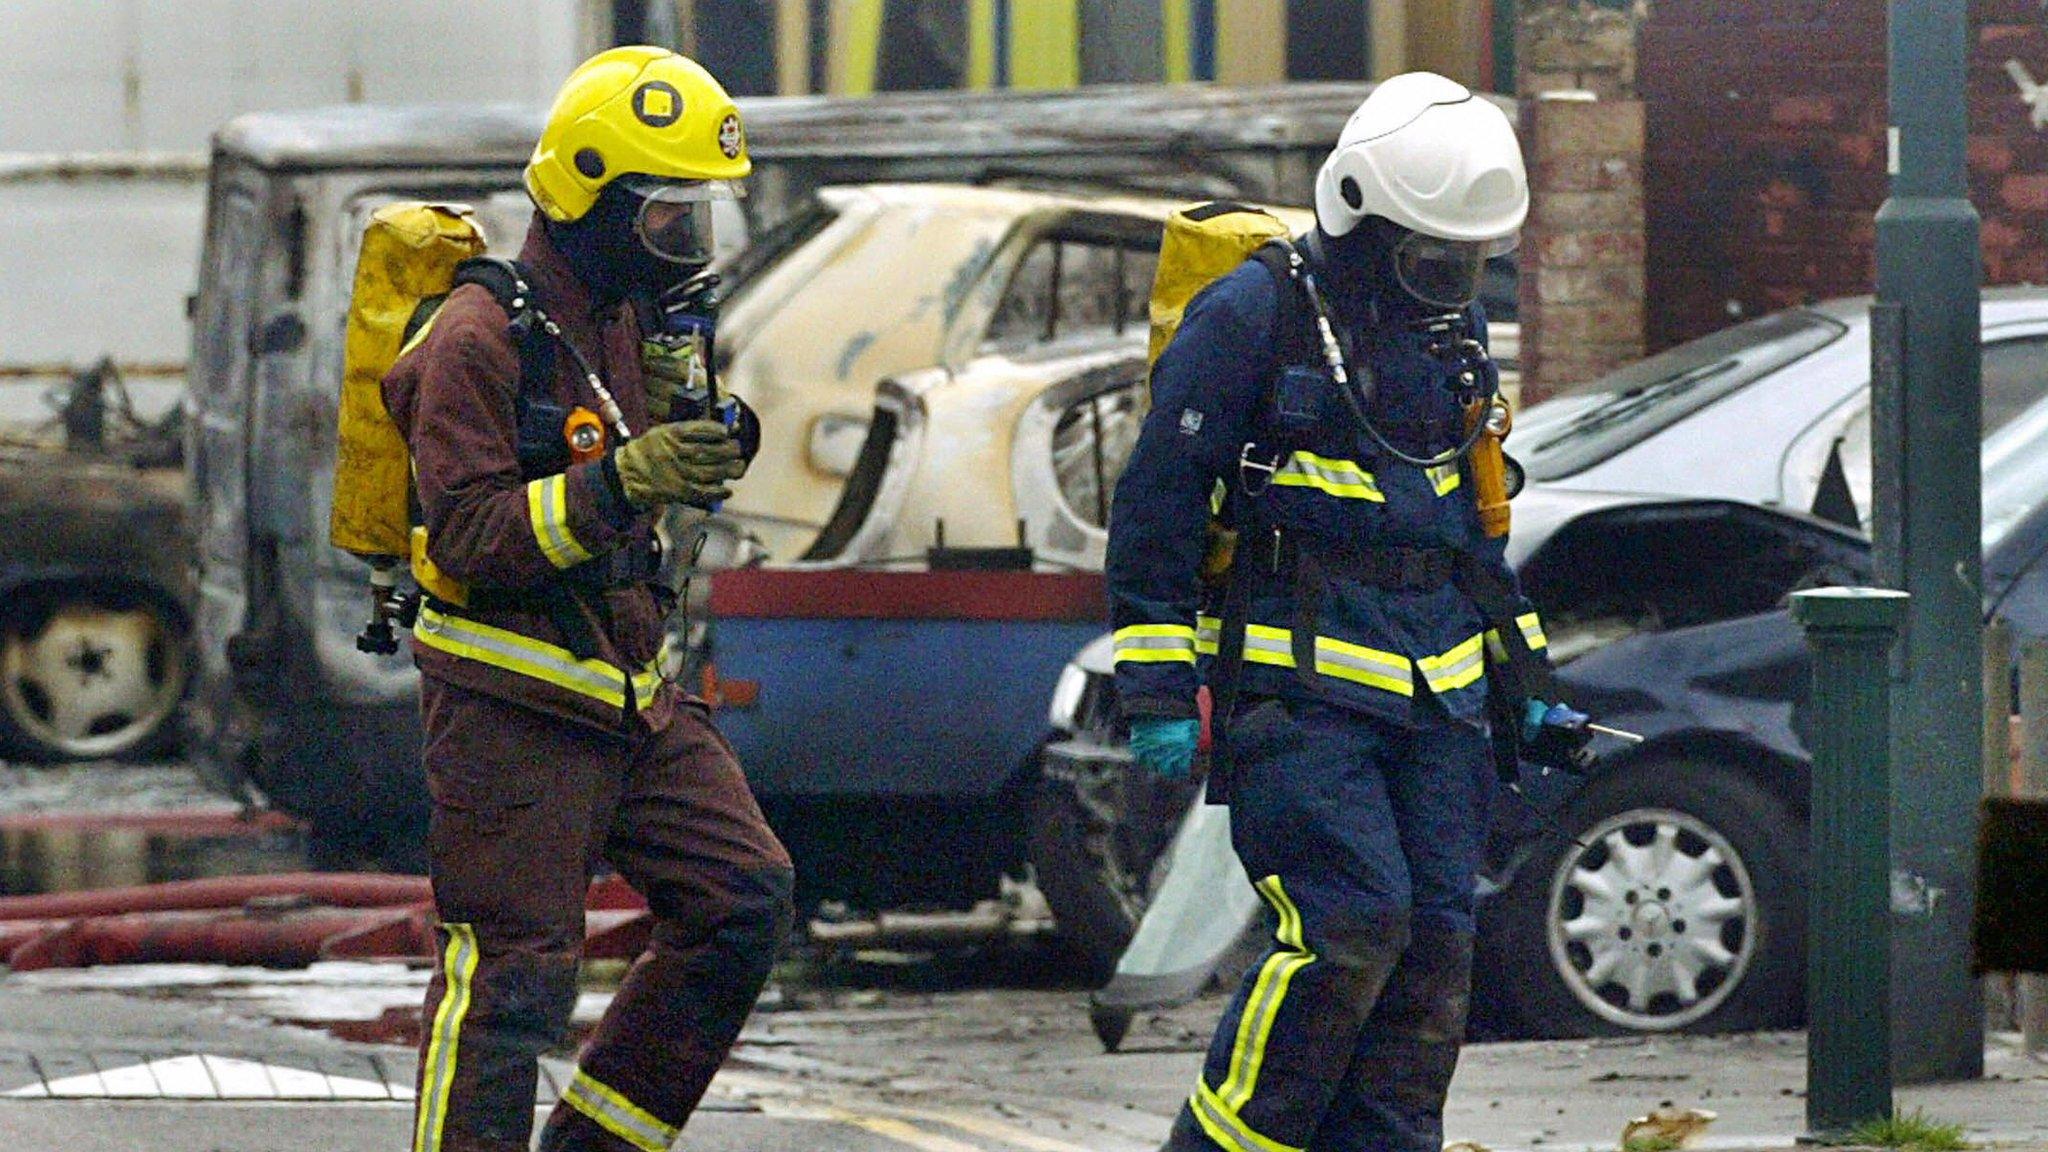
x=91 y=680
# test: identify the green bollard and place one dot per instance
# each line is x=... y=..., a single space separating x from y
x=1848 y=934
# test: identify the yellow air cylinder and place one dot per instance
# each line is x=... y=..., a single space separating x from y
x=1201 y=243
x=409 y=253
x=1489 y=464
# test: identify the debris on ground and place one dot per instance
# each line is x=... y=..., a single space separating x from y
x=1665 y=1130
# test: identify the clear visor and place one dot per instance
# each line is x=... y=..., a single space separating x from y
x=674 y=221
x=1445 y=273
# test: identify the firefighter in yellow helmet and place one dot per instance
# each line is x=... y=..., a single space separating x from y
x=552 y=744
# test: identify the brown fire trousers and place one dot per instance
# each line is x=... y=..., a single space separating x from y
x=525 y=807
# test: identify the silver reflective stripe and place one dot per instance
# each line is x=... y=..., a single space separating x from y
x=1269 y=646
x=1466 y=666
x=1336 y=477
x=547 y=506
x=1225 y=1128
x=1364 y=665
x=524 y=655
x=1155 y=643
x=618 y=1115
x=437 y=1071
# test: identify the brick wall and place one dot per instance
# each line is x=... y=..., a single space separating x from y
x=1582 y=285
x=1765 y=153
x=1582 y=250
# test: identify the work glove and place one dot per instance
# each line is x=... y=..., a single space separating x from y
x=683 y=463
x=1166 y=745
x=1556 y=735
x=670 y=370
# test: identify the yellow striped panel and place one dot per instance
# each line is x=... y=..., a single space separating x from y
x=458 y=969
x=1445 y=478
x=1532 y=630
x=981 y=44
x=793 y=47
x=1177 y=34
x=1251 y=41
x=855 y=47
x=1045 y=43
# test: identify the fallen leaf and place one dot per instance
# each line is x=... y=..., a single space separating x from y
x=1665 y=1129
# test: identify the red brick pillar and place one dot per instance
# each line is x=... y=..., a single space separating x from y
x=1582 y=249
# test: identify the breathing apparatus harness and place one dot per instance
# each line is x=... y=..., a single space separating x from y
x=1287 y=555
x=550 y=438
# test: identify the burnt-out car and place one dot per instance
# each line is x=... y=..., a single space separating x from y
x=1667 y=891
x=95 y=581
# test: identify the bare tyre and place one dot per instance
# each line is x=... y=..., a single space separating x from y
x=1097 y=830
x=89 y=673
x=1684 y=911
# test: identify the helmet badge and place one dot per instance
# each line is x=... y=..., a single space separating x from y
x=657 y=104
x=730 y=138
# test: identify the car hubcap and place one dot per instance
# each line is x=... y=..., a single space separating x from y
x=1653 y=924
x=92 y=681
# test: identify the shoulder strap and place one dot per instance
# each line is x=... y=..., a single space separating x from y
x=507 y=283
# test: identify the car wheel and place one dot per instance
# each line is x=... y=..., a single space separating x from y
x=1681 y=907
x=1097 y=830
x=86 y=674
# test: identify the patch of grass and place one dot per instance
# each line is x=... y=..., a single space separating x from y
x=1911 y=1131
x=1652 y=1144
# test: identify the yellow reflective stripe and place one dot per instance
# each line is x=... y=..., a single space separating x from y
x=1445 y=478
x=1532 y=630
x=1388 y=671
x=1457 y=668
x=547 y=507
x=1263 y=644
x=437 y=1075
x=1154 y=644
x=618 y=1115
x=509 y=650
x=1226 y=1128
x=1262 y=1008
x=1335 y=477
x=646 y=684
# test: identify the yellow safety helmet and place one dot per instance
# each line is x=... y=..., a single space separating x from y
x=634 y=111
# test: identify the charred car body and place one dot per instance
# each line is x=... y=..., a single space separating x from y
x=95 y=579
x=287 y=710
x=1672 y=507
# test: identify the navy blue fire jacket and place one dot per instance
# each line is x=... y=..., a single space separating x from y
x=1224 y=382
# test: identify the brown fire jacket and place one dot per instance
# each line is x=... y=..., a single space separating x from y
x=512 y=538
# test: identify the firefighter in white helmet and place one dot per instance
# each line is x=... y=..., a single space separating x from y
x=1335 y=386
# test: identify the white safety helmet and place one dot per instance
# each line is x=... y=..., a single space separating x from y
x=1442 y=165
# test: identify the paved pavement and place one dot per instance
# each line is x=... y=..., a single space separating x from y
x=122 y=1059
